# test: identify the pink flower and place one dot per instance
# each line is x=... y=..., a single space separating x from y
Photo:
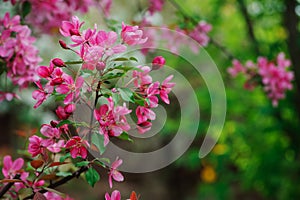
x=70 y=88
x=8 y=96
x=158 y=62
x=236 y=68
x=199 y=33
x=35 y=146
x=107 y=41
x=106 y=5
x=143 y=127
x=41 y=94
x=156 y=6
x=114 y=173
x=165 y=89
x=276 y=79
x=50 y=132
x=71 y=28
x=143 y=77
x=111 y=119
x=65 y=112
x=132 y=35
x=77 y=147
x=143 y=114
x=115 y=195
x=11 y=168
x=55 y=147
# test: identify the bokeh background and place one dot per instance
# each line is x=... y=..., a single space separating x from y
x=257 y=155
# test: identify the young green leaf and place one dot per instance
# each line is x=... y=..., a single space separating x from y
x=92 y=176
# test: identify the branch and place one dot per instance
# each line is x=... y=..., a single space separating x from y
x=61 y=181
x=249 y=25
x=291 y=21
x=8 y=186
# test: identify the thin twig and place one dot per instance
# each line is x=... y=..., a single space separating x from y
x=8 y=186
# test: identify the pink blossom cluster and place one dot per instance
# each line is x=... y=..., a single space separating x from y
x=47 y=16
x=98 y=52
x=17 y=52
x=199 y=33
x=14 y=170
x=149 y=90
x=273 y=75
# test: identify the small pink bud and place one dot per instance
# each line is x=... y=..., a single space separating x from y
x=158 y=62
x=114 y=90
x=58 y=62
x=53 y=123
x=63 y=44
x=100 y=65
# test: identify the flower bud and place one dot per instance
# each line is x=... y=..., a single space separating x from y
x=63 y=44
x=158 y=62
x=58 y=62
x=100 y=65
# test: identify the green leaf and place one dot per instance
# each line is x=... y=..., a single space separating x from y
x=26 y=8
x=24 y=192
x=82 y=163
x=126 y=94
x=60 y=97
x=116 y=98
x=63 y=158
x=92 y=176
x=63 y=174
x=140 y=102
x=133 y=59
x=63 y=122
x=98 y=141
x=121 y=59
x=113 y=76
x=125 y=136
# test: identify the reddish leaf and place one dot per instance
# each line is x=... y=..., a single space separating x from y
x=133 y=196
x=58 y=164
x=49 y=177
x=36 y=163
x=39 y=196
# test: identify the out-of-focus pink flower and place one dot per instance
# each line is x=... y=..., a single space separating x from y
x=106 y=6
x=77 y=147
x=114 y=173
x=115 y=195
x=143 y=77
x=158 y=62
x=17 y=51
x=10 y=167
x=199 y=33
x=50 y=132
x=165 y=89
x=156 y=6
x=236 y=68
x=275 y=77
x=132 y=35
x=8 y=96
